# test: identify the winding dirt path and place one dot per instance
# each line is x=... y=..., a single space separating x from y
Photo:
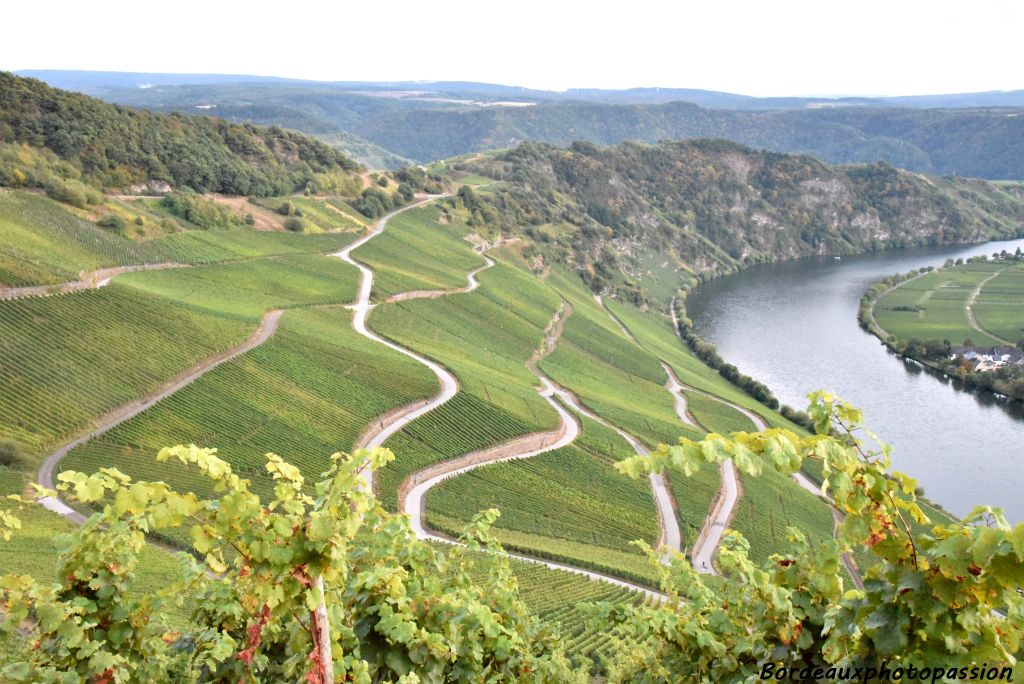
x=471 y=284
x=87 y=280
x=670 y=536
x=268 y=325
x=384 y=426
x=969 y=309
x=414 y=491
x=723 y=508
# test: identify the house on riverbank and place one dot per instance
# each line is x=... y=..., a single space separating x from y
x=988 y=358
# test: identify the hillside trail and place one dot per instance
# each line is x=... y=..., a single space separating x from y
x=267 y=327
x=383 y=427
x=969 y=308
x=87 y=280
x=669 y=535
x=799 y=478
x=412 y=495
x=723 y=507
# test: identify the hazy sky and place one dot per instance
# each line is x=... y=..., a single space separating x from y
x=763 y=47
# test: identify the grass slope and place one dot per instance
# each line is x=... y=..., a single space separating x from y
x=933 y=306
x=250 y=288
x=71 y=358
x=1000 y=305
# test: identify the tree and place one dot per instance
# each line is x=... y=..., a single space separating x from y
x=934 y=594
x=284 y=591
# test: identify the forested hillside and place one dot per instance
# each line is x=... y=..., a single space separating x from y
x=714 y=206
x=113 y=146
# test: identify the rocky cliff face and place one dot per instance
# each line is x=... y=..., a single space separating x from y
x=717 y=206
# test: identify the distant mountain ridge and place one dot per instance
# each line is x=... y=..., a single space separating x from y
x=389 y=124
x=90 y=81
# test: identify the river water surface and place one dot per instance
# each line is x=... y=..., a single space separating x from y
x=793 y=326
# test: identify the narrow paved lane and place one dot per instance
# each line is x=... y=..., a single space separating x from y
x=396 y=420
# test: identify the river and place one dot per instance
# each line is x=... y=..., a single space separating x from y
x=793 y=326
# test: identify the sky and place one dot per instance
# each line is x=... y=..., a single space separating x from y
x=764 y=47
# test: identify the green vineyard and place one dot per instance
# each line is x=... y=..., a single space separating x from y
x=484 y=338
x=68 y=359
x=418 y=253
x=569 y=504
x=307 y=392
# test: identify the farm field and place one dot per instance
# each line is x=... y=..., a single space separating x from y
x=770 y=503
x=569 y=504
x=203 y=247
x=322 y=215
x=45 y=242
x=932 y=306
x=610 y=373
x=417 y=252
x=316 y=385
x=306 y=393
x=1000 y=305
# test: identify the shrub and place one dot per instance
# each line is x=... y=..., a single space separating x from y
x=10 y=454
x=113 y=222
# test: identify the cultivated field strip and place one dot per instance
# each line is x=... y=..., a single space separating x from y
x=128 y=411
x=87 y=281
x=66 y=360
x=305 y=394
x=449 y=385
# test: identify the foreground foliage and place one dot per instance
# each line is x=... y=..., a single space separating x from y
x=936 y=595
x=275 y=579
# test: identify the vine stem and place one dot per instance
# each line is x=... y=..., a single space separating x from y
x=321 y=629
x=907 y=530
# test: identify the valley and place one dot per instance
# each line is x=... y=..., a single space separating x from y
x=452 y=418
